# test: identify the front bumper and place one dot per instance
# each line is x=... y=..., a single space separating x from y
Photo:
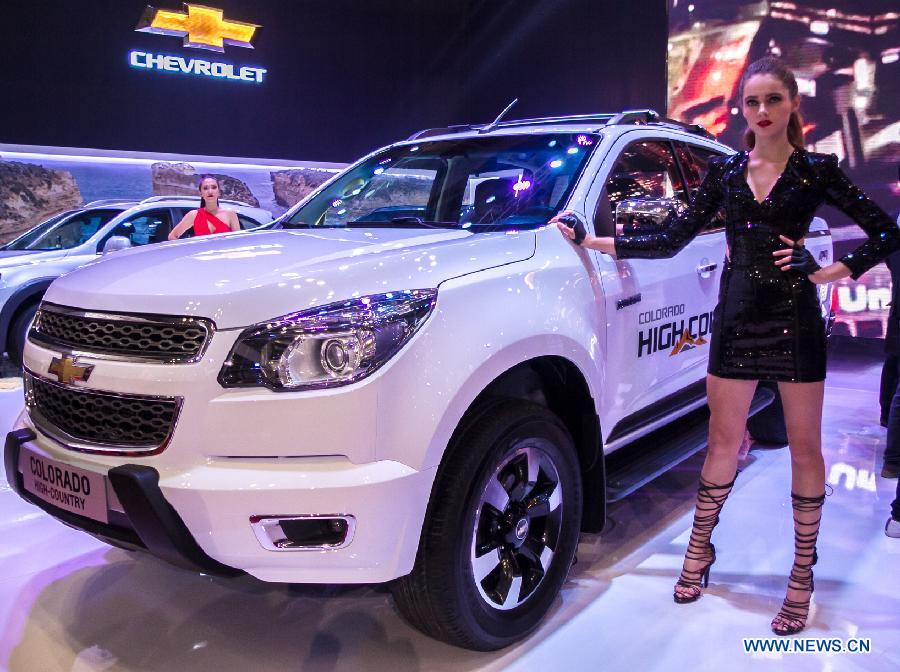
x=200 y=518
x=147 y=523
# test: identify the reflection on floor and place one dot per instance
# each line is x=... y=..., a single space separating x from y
x=68 y=602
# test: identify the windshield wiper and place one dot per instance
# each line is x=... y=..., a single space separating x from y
x=409 y=222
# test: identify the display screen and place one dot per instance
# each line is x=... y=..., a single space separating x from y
x=846 y=57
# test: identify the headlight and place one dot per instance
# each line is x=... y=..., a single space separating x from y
x=327 y=346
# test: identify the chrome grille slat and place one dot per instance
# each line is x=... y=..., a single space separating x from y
x=100 y=421
x=144 y=338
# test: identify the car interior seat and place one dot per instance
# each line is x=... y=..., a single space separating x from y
x=495 y=198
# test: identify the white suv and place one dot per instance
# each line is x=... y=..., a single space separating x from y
x=73 y=238
x=415 y=380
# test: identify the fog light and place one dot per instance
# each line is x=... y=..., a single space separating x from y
x=303 y=533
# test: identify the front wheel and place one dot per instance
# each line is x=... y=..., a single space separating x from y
x=501 y=530
x=18 y=333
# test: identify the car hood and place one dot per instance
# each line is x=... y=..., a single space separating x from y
x=11 y=258
x=242 y=279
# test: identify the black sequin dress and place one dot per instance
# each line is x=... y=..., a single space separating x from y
x=768 y=324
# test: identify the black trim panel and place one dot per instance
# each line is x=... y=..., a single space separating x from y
x=659 y=410
x=150 y=523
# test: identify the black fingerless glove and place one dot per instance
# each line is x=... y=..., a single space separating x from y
x=574 y=222
x=803 y=261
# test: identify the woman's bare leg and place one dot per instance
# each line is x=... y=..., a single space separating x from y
x=729 y=403
x=803 y=418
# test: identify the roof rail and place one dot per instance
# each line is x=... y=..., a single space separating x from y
x=107 y=201
x=483 y=128
x=181 y=197
x=167 y=197
x=633 y=117
x=447 y=130
x=652 y=117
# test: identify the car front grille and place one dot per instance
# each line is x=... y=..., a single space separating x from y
x=99 y=421
x=146 y=338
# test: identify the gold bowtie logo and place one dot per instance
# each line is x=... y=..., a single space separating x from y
x=202 y=27
x=67 y=370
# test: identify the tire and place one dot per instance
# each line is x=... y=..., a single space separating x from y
x=18 y=333
x=509 y=487
x=768 y=426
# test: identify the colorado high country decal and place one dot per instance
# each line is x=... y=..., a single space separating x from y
x=677 y=336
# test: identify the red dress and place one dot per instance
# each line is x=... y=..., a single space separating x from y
x=206 y=223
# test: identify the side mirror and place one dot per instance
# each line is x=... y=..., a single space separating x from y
x=116 y=243
x=646 y=216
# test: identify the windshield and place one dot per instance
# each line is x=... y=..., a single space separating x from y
x=483 y=183
x=63 y=232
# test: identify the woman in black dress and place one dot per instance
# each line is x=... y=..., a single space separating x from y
x=768 y=324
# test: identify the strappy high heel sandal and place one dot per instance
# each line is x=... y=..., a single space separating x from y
x=792 y=617
x=710 y=499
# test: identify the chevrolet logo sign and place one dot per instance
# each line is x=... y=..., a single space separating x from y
x=202 y=27
x=67 y=370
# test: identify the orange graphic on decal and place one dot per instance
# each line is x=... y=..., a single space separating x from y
x=202 y=27
x=687 y=342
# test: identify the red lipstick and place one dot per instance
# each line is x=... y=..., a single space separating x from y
x=764 y=123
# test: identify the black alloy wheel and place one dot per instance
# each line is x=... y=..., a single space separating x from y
x=517 y=525
x=18 y=333
x=501 y=529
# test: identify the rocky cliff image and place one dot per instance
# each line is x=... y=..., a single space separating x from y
x=181 y=179
x=30 y=194
x=291 y=186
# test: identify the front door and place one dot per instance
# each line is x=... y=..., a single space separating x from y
x=660 y=310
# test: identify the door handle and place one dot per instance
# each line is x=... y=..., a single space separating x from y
x=707 y=268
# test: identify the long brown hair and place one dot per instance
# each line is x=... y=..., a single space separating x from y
x=772 y=66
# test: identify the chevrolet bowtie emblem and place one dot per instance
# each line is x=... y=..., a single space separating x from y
x=202 y=27
x=67 y=370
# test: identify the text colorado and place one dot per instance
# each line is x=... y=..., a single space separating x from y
x=63 y=478
x=660 y=313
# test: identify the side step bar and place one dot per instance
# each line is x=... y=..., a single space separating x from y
x=639 y=463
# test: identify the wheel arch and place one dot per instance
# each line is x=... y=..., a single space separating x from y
x=558 y=384
x=26 y=295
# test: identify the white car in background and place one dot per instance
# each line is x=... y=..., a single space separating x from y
x=73 y=238
x=414 y=380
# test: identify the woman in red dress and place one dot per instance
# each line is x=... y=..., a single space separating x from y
x=209 y=217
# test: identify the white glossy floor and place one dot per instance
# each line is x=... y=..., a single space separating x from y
x=67 y=602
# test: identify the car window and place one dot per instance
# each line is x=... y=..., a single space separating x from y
x=394 y=191
x=695 y=163
x=645 y=170
x=152 y=226
x=480 y=183
x=247 y=222
x=60 y=233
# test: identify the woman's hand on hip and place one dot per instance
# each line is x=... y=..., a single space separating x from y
x=796 y=257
